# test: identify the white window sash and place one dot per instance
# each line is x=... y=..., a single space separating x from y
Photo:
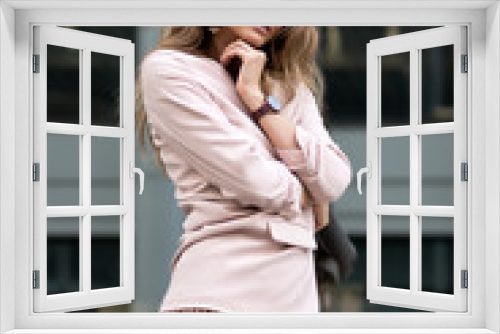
x=412 y=43
x=85 y=297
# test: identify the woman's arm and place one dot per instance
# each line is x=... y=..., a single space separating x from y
x=308 y=150
x=292 y=152
x=284 y=139
x=184 y=118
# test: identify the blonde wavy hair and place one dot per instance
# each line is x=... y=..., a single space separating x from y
x=291 y=58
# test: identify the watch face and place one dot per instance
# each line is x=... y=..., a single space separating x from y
x=274 y=102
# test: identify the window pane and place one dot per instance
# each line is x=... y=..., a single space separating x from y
x=395 y=170
x=437 y=254
x=395 y=91
x=105 y=161
x=105 y=91
x=63 y=84
x=395 y=265
x=63 y=255
x=105 y=248
x=437 y=84
x=63 y=169
x=437 y=169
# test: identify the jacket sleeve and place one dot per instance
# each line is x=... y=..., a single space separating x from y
x=318 y=161
x=189 y=122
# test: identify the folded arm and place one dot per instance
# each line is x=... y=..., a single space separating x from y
x=318 y=162
x=182 y=112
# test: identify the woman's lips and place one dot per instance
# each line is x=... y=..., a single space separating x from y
x=261 y=30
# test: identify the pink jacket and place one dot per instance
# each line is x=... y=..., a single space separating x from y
x=227 y=174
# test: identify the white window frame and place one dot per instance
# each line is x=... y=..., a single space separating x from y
x=16 y=21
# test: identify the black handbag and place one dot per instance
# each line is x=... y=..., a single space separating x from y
x=336 y=253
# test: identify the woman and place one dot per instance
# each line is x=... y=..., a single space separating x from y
x=254 y=185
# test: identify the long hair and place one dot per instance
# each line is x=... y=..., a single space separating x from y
x=291 y=58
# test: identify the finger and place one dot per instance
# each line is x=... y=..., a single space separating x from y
x=234 y=51
x=239 y=44
x=242 y=43
x=318 y=226
x=229 y=47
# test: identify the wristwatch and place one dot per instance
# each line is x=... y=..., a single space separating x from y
x=271 y=105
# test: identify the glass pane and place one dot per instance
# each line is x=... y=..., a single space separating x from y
x=105 y=161
x=63 y=255
x=437 y=254
x=63 y=169
x=395 y=251
x=105 y=249
x=395 y=170
x=437 y=169
x=437 y=84
x=395 y=91
x=105 y=91
x=63 y=84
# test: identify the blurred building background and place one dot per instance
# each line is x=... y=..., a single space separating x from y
x=342 y=57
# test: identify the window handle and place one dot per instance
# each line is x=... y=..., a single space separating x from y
x=139 y=171
x=367 y=170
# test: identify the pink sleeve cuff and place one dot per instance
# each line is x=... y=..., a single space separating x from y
x=304 y=157
x=320 y=164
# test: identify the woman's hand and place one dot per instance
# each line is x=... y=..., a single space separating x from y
x=321 y=210
x=306 y=199
x=321 y=215
x=248 y=84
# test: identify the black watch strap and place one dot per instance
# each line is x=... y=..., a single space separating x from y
x=264 y=109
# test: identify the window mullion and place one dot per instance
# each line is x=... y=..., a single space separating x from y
x=85 y=164
x=414 y=169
